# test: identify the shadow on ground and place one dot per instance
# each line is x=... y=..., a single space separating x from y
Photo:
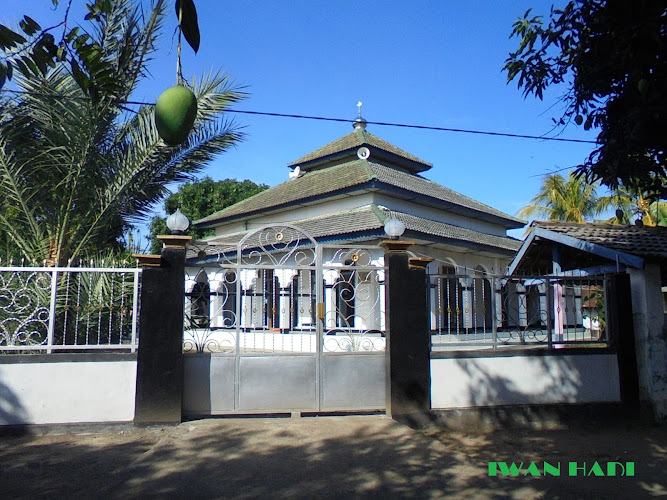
x=371 y=457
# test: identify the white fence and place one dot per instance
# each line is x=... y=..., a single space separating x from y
x=56 y=309
x=482 y=311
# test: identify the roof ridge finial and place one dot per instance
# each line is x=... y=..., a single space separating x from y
x=359 y=123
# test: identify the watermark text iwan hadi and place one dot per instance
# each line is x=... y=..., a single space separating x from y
x=572 y=469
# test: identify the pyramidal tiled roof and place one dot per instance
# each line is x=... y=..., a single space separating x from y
x=358 y=175
x=354 y=140
x=367 y=222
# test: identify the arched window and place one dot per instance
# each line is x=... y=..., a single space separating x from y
x=345 y=297
x=200 y=302
x=227 y=293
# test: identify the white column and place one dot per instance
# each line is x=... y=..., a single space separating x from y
x=432 y=268
x=559 y=316
x=468 y=304
x=499 y=303
x=248 y=281
x=330 y=277
x=542 y=289
x=285 y=277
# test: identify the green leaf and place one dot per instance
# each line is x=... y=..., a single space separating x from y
x=31 y=64
x=22 y=68
x=80 y=77
x=3 y=74
x=71 y=35
x=29 y=26
x=9 y=38
x=186 y=13
x=39 y=59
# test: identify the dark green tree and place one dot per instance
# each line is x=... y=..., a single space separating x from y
x=199 y=199
x=611 y=57
x=76 y=166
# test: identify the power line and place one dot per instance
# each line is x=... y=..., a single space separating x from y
x=422 y=127
x=344 y=120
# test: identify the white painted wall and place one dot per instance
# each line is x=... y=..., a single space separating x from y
x=511 y=380
x=350 y=202
x=298 y=212
x=439 y=215
x=67 y=392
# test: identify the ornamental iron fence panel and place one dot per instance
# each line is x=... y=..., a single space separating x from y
x=279 y=291
x=49 y=309
x=497 y=311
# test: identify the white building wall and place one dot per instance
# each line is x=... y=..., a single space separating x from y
x=296 y=213
x=465 y=263
x=67 y=392
x=512 y=380
x=329 y=206
x=438 y=215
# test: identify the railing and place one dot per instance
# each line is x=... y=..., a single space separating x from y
x=500 y=311
x=49 y=309
x=283 y=302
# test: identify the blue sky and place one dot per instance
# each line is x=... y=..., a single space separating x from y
x=435 y=63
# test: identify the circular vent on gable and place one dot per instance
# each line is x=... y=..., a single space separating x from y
x=363 y=153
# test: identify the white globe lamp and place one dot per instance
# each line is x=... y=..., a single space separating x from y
x=394 y=228
x=177 y=222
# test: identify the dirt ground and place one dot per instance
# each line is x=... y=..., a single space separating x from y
x=331 y=457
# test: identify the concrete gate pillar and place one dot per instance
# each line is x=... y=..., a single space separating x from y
x=408 y=336
x=160 y=355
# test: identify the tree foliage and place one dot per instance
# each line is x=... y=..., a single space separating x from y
x=611 y=55
x=199 y=199
x=631 y=203
x=32 y=50
x=76 y=167
x=570 y=200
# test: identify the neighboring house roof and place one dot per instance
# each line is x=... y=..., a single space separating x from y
x=643 y=241
x=355 y=176
x=367 y=222
x=350 y=143
x=584 y=245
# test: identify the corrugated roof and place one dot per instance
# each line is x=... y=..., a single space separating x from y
x=358 y=174
x=642 y=241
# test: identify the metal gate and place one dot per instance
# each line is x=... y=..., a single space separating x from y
x=279 y=323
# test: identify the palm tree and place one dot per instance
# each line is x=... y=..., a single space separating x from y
x=633 y=201
x=77 y=167
x=570 y=200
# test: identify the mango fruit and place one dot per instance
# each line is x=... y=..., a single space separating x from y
x=175 y=113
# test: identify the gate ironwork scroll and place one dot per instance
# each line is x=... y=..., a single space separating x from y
x=285 y=322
